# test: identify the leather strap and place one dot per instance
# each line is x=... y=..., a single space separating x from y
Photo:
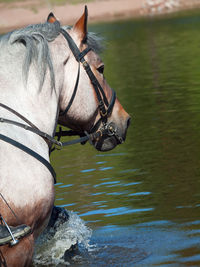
x=18 y=115
x=62 y=113
x=33 y=130
x=26 y=120
x=31 y=153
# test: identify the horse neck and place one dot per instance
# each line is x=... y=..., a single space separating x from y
x=39 y=107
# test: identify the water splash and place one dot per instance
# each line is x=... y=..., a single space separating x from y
x=50 y=248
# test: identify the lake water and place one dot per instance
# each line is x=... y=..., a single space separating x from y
x=140 y=203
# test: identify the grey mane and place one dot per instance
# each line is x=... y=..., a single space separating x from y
x=35 y=38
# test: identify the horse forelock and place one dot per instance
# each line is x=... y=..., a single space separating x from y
x=35 y=38
x=93 y=40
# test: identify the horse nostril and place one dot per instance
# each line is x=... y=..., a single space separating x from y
x=128 y=122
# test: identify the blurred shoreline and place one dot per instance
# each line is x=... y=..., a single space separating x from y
x=18 y=14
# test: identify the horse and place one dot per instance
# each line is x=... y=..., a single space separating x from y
x=48 y=74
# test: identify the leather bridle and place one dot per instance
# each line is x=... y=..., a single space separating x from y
x=104 y=107
x=105 y=110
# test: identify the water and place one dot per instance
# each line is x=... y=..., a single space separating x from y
x=142 y=200
x=51 y=245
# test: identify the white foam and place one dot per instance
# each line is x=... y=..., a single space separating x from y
x=50 y=250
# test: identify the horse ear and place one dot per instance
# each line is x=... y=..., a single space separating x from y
x=51 y=18
x=81 y=26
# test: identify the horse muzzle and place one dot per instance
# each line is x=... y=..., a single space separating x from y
x=107 y=137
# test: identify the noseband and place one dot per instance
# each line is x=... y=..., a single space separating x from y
x=105 y=108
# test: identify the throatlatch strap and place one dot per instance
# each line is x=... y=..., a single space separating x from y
x=74 y=93
x=31 y=153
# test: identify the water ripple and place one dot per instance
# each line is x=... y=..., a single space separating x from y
x=88 y=170
x=140 y=194
x=107 y=183
x=66 y=185
x=115 y=211
x=105 y=168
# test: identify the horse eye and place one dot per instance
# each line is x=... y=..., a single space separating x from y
x=101 y=69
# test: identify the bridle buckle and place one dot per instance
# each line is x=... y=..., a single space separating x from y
x=111 y=129
x=103 y=114
x=85 y=64
x=58 y=145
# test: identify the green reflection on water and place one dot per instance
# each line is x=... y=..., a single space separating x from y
x=154 y=65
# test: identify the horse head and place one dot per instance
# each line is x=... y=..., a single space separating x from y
x=88 y=104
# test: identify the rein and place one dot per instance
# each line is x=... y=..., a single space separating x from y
x=30 y=152
x=31 y=127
